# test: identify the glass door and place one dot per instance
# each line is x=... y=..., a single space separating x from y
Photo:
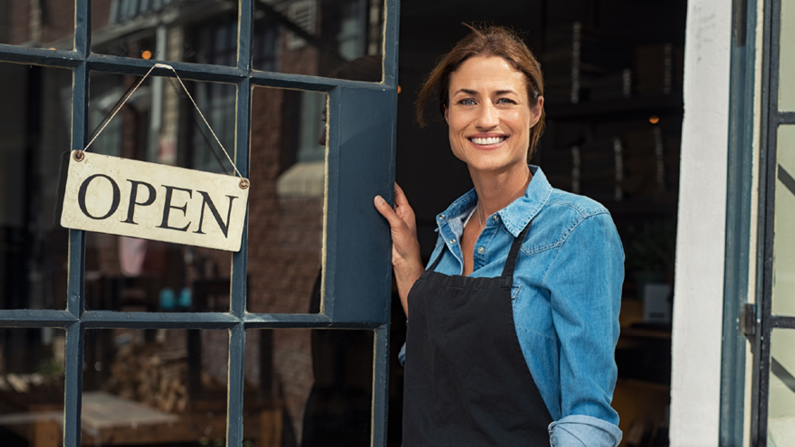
x=106 y=340
x=773 y=421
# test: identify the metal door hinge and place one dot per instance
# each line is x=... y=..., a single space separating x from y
x=748 y=319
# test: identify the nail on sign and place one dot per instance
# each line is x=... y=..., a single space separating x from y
x=152 y=201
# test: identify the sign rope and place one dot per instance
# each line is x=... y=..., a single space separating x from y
x=130 y=93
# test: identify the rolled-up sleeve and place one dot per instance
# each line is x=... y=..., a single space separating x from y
x=585 y=282
x=583 y=431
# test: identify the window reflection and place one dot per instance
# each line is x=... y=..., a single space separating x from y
x=159 y=124
x=286 y=203
x=161 y=387
x=41 y=24
x=317 y=382
x=317 y=37
x=31 y=386
x=202 y=31
x=35 y=117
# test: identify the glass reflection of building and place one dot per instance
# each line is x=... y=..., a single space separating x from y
x=159 y=124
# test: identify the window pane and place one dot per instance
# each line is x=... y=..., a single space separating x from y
x=781 y=405
x=35 y=120
x=39 y=24
x=203 y=31
x=31 y=386
x=137 y=275
x=286 y=202
x=339 y=39
x=786 y=77
x=318 y=383
x=159 y=124
x=166 y=387
x=784 y=242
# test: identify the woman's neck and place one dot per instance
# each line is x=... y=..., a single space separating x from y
x=496 y=190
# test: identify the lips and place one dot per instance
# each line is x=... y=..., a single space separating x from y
x=487 y=140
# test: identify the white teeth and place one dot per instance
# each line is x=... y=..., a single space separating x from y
x=485 y=141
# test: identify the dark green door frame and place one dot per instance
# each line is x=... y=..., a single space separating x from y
x=739 y=191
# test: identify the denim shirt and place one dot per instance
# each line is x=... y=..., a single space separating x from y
x=566 y=298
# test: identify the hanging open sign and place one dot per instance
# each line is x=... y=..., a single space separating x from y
x=152 y=201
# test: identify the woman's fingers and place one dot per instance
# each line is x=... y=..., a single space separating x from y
x=401 y=222
x=403 y=209
x=389 y=214
x=400 y=196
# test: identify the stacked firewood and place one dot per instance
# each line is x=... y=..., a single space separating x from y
x=149 y=374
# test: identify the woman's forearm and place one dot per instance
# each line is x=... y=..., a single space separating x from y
x=407 y=272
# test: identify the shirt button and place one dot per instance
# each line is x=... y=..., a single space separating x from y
x=441 y=216
x=495 y=218
x=481 y=250
x=452 y=241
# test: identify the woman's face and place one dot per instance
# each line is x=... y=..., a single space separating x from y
x=489 y=115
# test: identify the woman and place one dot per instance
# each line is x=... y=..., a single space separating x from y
x=512 y=328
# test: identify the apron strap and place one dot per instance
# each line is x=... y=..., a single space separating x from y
x=510 y=263
x=436 y=262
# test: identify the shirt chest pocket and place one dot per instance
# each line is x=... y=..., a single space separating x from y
x=531 y=311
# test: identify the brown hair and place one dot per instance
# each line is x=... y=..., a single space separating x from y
x=485 y=41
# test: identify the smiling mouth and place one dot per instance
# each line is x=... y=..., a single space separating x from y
x=487 y=141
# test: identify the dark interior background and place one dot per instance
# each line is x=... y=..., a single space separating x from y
x=426 y=169
x=646 y=218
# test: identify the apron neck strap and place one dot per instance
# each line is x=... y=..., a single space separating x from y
x=510 y=263
x=436 y=262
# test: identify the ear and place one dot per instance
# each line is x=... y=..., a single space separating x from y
x=536 y=111
x=446 y=115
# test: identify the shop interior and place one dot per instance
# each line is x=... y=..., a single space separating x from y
x=613 y=72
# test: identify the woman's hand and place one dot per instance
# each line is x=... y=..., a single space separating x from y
x=406 y=260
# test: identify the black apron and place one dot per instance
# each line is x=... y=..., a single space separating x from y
x=466 y=381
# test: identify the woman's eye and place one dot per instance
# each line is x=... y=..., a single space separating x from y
x=467 y=102
x=505 y=101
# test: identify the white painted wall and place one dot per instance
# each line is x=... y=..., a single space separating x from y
x=698 y=294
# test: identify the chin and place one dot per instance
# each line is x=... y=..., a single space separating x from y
x=495 y=167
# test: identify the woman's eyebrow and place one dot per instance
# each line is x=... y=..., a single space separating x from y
x=474 y=92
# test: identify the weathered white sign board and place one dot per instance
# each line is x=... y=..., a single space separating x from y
x=152 y=201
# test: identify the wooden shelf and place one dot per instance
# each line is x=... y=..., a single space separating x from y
x=639 y=400
x=632 y=315
x=645 y=384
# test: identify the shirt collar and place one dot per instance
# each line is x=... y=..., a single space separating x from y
x=515 y=216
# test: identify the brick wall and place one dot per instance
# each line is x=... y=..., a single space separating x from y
x=19 y=23
x=285 y=238
x=100 y=13
x=59 y=21
x=48 y=25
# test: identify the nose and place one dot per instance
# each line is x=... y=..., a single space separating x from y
x=488 y=117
